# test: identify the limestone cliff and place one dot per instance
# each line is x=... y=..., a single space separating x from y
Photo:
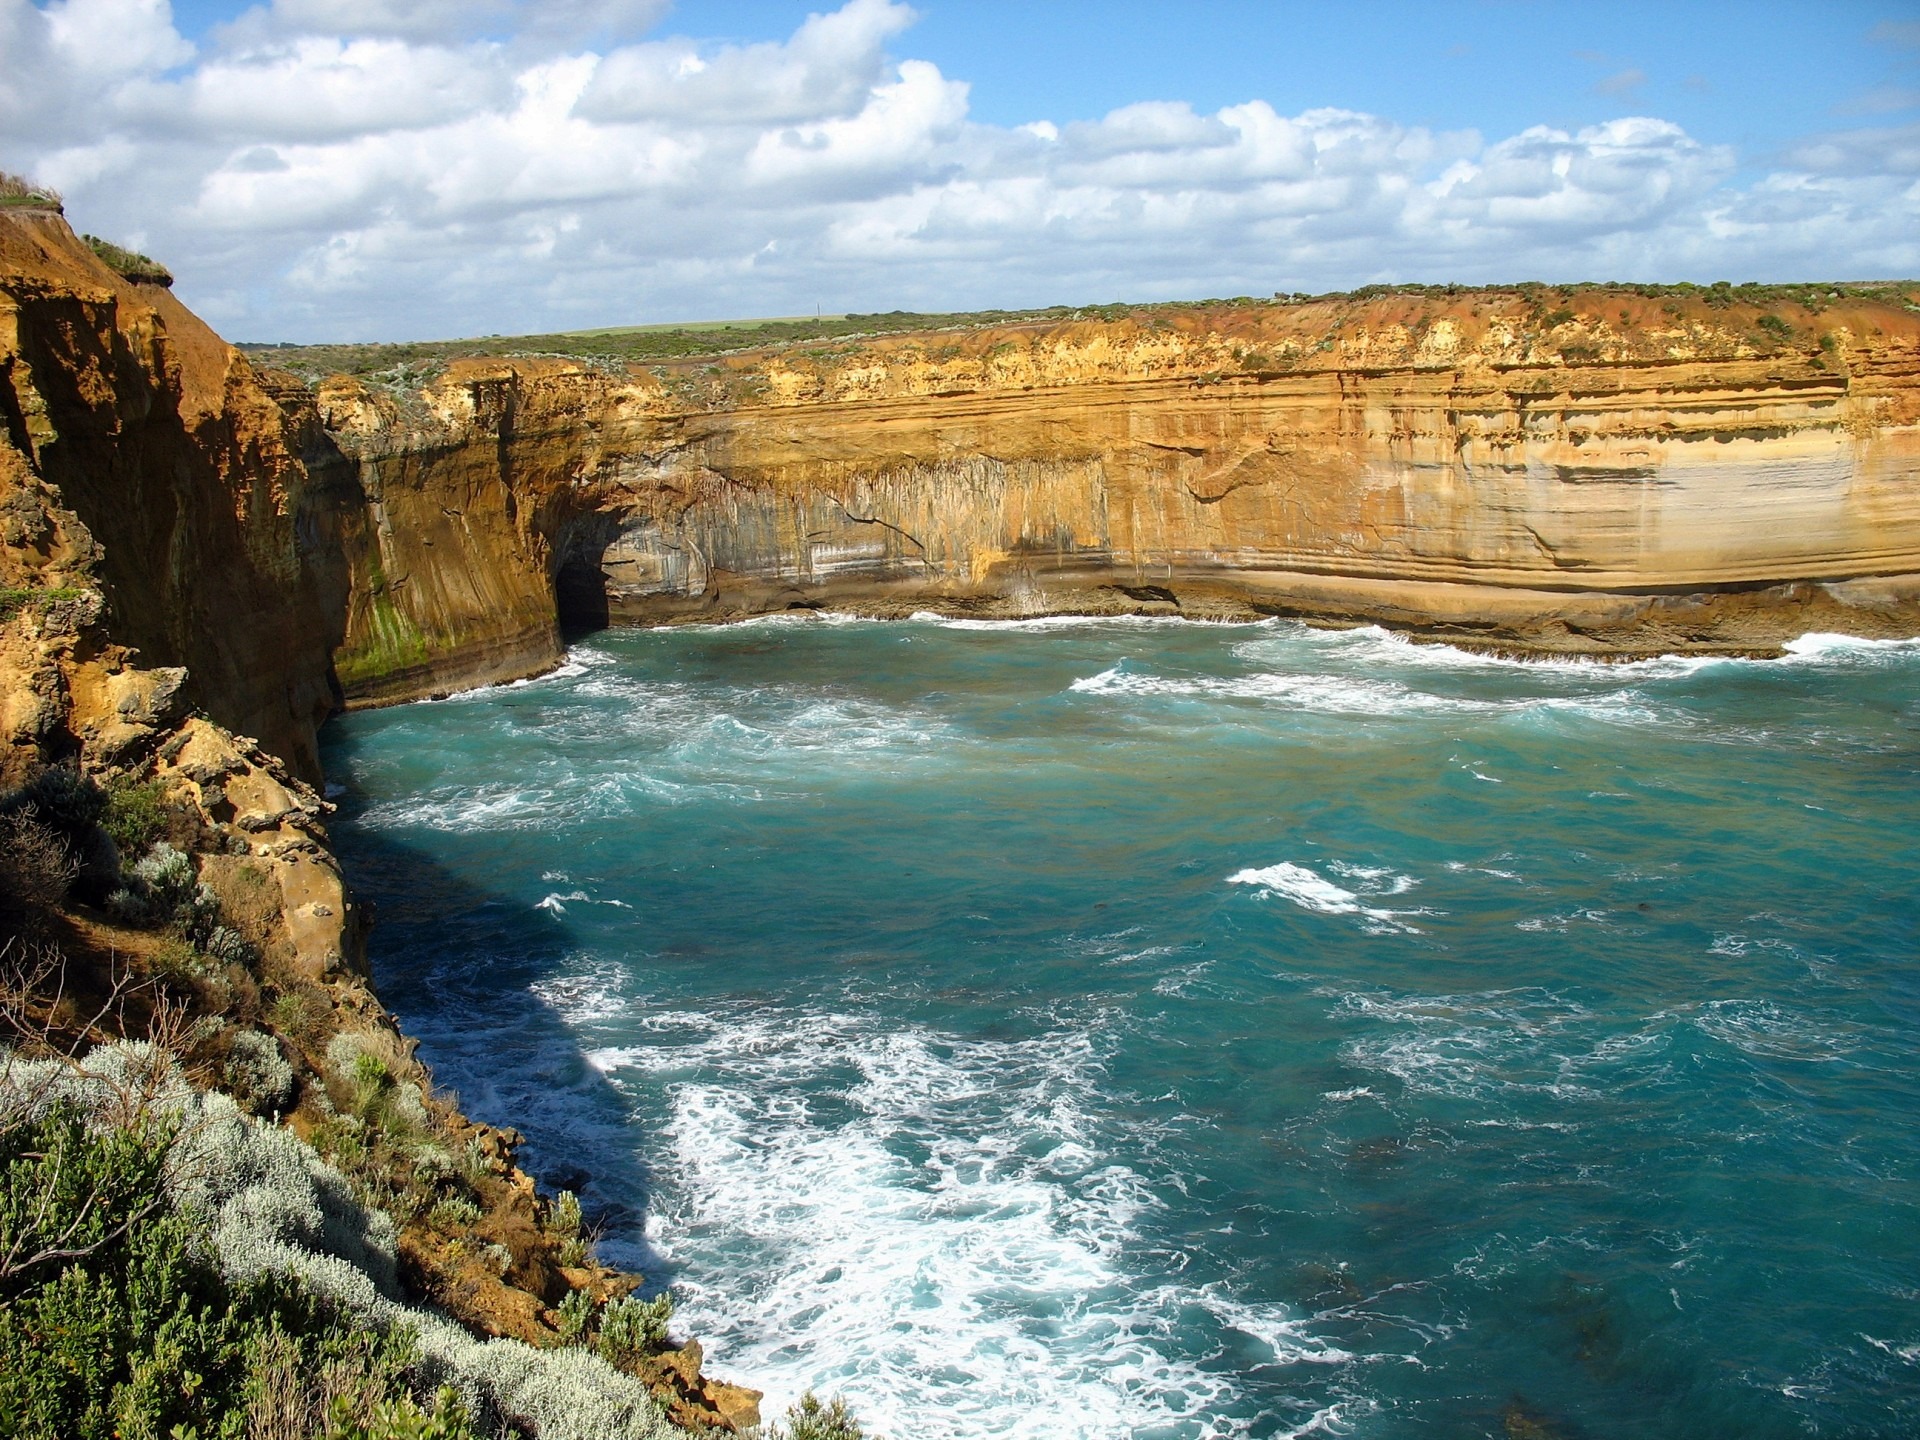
x=1631 y=474
x=170 y=541
x=142 y=464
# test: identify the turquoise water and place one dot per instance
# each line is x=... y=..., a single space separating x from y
x=1147 y=1028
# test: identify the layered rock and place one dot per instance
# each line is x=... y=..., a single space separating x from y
x=145 y=467
x=1641 y=476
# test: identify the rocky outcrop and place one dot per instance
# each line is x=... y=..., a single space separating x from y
x=1619 y=474
x=1635 y=476
x=173 y=564
x=144 y=467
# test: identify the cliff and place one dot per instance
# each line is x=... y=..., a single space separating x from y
x=172 y=569
x=170 y=486
x=1621 y=474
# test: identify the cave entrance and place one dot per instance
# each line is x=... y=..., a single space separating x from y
x=580 y=584
x=580 y=596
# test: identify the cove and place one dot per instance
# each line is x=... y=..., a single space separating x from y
x=1138 y=1027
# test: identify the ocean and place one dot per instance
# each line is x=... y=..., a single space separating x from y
x=1149 y=1028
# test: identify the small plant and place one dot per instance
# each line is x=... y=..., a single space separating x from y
x=631 y=1328
x=257 y=1075
x=455 y=1212
x=230 y=947
x=808 y=1419
x=135 y=815
x=576 y=1314
x=1774 y=326
x=401 y=1419
x=176 y=965
x=300 y=1015
x=370 y=1072
x=575 y=1252
x=564 y=1217
x=36 y=870
x=164 y=878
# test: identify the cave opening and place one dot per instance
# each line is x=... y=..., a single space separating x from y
x=580 y=583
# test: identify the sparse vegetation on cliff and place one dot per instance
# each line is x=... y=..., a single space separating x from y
x=129 y=264
x=19 y=193
x=379 y=1217
x=404 y=366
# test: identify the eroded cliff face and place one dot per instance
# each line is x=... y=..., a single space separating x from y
x=1616 y=475
x=144 y=469
x=1636 y=475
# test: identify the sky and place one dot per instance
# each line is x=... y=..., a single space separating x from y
x=409 y=169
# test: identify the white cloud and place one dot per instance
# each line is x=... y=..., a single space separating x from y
x=374 y=168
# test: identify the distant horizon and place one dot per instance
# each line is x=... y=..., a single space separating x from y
x=1025 y=313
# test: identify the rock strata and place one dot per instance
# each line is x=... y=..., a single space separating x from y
x=1641 y=478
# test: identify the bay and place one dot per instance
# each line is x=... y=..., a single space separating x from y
x=1135 y=1027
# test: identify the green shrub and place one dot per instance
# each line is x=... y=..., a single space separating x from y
x=576 y=1314
x=300 y=1015
x=176 y=964
x=401 y=1420
x=129 y=264
x=455 y=1212
x=808 y=1419
x=64 y=800
x=138 y=1333
x=258 y=1075
x=283 y=1224
x=564 y=1217
x=632 y=1327
x=1774 y=326
x=135 y=815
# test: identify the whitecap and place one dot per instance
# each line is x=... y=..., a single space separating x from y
x=1311 y=891
x=1068 y=622
x=941 y=1234
x=1821 y=645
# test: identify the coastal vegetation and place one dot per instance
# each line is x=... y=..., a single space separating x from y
x=410 y=362
x=129 y=264
x=230 y=1207
x=19 y=193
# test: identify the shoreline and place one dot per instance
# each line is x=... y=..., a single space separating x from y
x=1513 y=651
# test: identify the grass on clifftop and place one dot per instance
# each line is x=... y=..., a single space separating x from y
x=19 y=193
x=129 y=264
x=621 y=345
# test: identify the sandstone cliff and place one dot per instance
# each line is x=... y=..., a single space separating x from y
x=1621 y=475
x=166 y=548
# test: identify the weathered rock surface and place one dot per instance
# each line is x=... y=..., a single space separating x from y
x=1620 y=475
x=1623 y=481
x=143 y=464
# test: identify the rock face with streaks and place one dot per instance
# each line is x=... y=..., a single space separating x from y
x=147 y=480
x=1622 y=474
x=1634 y=477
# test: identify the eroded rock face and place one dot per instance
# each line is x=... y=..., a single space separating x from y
x=1626 y=474
x=1623 y=481
x=142 y=464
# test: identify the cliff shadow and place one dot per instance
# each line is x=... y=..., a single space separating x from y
x=476 y=975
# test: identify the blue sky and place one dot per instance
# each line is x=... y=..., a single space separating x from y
x=389 y=168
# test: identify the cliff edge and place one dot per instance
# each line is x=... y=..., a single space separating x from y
x=1595 y=471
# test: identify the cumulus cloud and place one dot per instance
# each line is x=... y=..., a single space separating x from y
x=391 y=168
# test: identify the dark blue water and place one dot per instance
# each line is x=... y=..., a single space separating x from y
x=1129 y=1028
